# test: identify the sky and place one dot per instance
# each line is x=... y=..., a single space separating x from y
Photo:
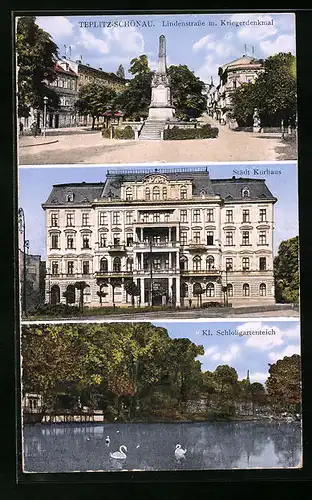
x=243 y=353
x=202 y=48
x=35 y=185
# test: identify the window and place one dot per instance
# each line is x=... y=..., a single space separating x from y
x=69 y=220
x=262 y=289
x=263 y=215
x=156 y=239
x=55 y=268
x=70 y=267
x=129 y=217
x=183 y=215
x=183 y=193
x=70 y=197
x=229 y=238
x=129 y=264
x=229 y=264
x=167 y=217
x=85 y=241
x=116 y=218
x=210 y=290
x=245 y=263
x=262 y=263
x=164 y=193
x=54 y=241
x=129 y=240
x=54 y=220
x=184 y=290
x=144 y=217
x=85 y=219
x=147 y=194
x=103 y=240
x=210 y=238
x=70 y=294
x=85 y=267
x=229 y=216
x=196 y=237
x=183 y=263
x=156 y=264
x=156 y=193
x=246 y=217
x=262 y=238
x=129 y=194
x=245 y=193
x=70 y=241
x=116 y=240
x=117 y=264
x=210 y=263
x=103 y=265
x=197 y=263
x=166 y=263
x=245 y=238
x=246 y=290
x=183 y=238
x=210 y=215
x=103 y=218
x=230 y=290
x=87 y=294
x=196 y=215
x=156 y=217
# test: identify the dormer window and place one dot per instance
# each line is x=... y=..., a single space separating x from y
x=245 y=193
x=70 y=197
x=164 y=193
x=129 y=194
x=183 y=193
x=202 y=193
x=147 y=194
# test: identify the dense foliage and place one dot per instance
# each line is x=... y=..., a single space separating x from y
x=36 y=58
x=274 y=93
x=284 y=384
x=95 y=98
x=136 y=371
x=204 y=132
x=124 y=133
x=286 y=271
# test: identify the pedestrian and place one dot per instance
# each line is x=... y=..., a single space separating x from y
x=21 y=128
x=190 y=303
x=34 y=129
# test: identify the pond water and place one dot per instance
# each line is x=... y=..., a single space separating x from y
x=209 y=445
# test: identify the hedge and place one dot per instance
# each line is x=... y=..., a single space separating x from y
x=204 y=132
x=62 y=310
x=126 y=133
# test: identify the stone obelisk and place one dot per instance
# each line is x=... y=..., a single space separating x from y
x=161 y=107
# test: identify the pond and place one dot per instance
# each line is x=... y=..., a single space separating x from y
x=151 y=446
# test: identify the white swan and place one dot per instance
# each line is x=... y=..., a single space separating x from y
x=119 y=454
x=179 y=452
x=107 y=440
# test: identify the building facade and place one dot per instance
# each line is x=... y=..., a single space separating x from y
x=66 y=86
x=179 y=236
x=232 y=75
x=35 y=278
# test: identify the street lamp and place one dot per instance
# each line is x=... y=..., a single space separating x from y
x=22 y=230
x=45 y=101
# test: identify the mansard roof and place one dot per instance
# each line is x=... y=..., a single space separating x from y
x=85 y=193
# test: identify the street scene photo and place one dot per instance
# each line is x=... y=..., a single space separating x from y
x=128 y=89
x=148 y=242
x=153 y=396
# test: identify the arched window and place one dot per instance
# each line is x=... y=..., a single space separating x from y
x=129 y=194
x=156 y=193
x=183 y=263
x=197 y=263
x=164 y=193
x=184 y=290
x=230 y=290
x=147 y=194
x=210 y=290
x=246 y=290
x=87 y=294
x=262 y=289
x=55 y=294
x=117 y=264
x=129 y=264
x=103 y=265
x=70 y=294
x=183 y=193
x=245 y=192
x=210 y=263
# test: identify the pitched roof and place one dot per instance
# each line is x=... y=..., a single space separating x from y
x=242 y=61
x=84 y=193
x=231 y=189
x=59 y=69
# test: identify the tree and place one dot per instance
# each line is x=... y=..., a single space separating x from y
x=227 y=389
x=132 y=289
x=286 y=271
x=95 y=98
x=120 y=71
x=273 y=93
x=198 y=291
x=187 y=92
x=36 y=58
x=284 y=384
x=81 y=286
x=136 y=98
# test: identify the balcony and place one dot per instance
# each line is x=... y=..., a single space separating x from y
x=155 y=271
x=200 y=272
x=156 y=245
x=113 y=274
x=197 y=246
x=114 y=247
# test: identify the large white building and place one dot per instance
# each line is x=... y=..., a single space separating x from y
x=181 y=237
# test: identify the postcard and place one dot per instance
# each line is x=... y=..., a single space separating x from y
x=130 y=88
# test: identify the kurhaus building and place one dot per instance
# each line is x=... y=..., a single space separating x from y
x=172 y=236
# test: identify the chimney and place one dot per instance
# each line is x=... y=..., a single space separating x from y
x=101 y=69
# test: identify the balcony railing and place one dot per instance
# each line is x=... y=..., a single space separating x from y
x=201 y=272
x=146 y=244
x=114 y=247
x=162 y=270
x=196 y=246
x=107 y=274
